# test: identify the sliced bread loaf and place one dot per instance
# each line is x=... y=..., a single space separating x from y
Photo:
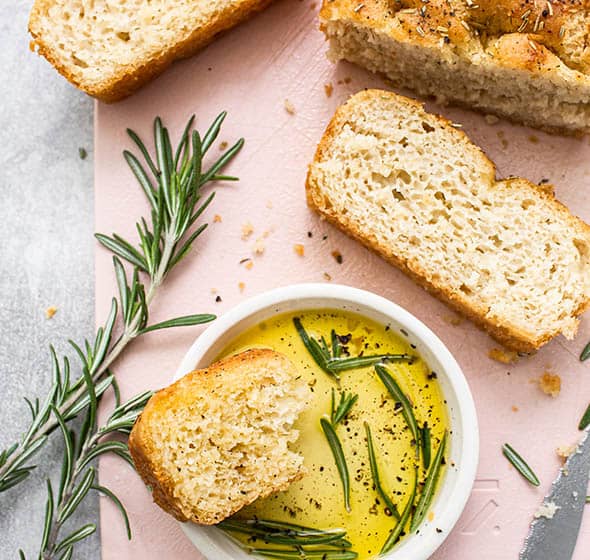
x=218 y=438
x=527 y=61
x=417 y=191
x=110 y=48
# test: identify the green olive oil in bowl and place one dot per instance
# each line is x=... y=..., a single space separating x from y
x=373 y=438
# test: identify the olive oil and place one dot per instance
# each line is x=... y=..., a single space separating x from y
x=317 y=499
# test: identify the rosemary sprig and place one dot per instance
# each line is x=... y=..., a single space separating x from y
x=339 y=459
x=397 y=531
x=399 y=396
x=340 y=412
x=172 y=185
x=376 y=477
x=330 y=360
x=429 y=488
x=302 y=554
x=425 y=439
x=585 y=353
x=298 y=541
x=78 y=477
x=520 y=464
x=585 y=420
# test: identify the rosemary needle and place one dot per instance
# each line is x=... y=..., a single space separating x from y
x=585 y=353
x=399 y=396
x=375 y=474
x=520 y=464
x=396 y=532
x=339 y=459
x=585 y=420
x=426 y=445
x=338 y=413
x=429 y=485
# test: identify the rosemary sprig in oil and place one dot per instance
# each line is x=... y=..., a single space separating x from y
x=376 y=476
x=339 y=458
x=430 y=483
x=297 y=541
x=520 y=464
x=331 y=361
x=399 y=396
x=173 y=187
x=397 y=531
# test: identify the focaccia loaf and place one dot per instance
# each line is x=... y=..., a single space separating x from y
x=526 y=61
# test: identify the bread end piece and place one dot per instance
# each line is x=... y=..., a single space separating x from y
x=414 y=189
x=218 y=438
x=110 y=49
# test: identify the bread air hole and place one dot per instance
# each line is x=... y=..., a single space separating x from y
x=123 y=35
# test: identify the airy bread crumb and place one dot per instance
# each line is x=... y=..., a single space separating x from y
x=50 y=312
x=299 y=249
x=550 y=384
x=503 y=356
x=247 y=230
x=289 y=107
x=218 y=438
x=564 y=451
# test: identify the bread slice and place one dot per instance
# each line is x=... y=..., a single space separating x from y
x=218 y=439
x=526 y=61
x=413 y=188
x=110 y=48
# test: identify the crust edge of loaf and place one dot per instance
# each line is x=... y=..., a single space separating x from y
x=508 y=336
x=123 y=84
x=141 y=445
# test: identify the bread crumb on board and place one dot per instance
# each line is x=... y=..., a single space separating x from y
x=259 y=246
x=289 y=107
x=217 y=218
x=328 y=89
x=492 y=119
x=547 y=510
x=241 y=286
x=299 y=249
x=454 y=320
x=503 y=356
x=564 y=451
x=514 y=408
x=247 y=230
x=50 y=312
x=550 y=384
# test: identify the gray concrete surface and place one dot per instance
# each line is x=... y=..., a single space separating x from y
x=46 y=255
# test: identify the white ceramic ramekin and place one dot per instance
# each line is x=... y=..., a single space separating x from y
x=463 y=453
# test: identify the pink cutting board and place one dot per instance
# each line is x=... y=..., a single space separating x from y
x=251 y=71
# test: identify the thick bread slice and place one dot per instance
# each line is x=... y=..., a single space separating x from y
x=110 y=48
x=414 y=189
x=218 y=439
x=526 y=61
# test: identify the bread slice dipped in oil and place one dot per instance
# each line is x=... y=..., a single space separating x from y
x=218 y=438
